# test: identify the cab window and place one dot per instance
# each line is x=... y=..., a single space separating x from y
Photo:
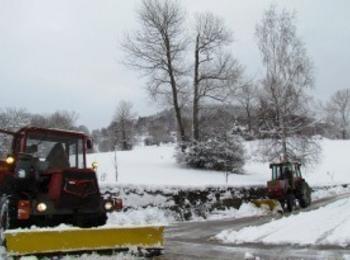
x=56 y=151
x=276 y=172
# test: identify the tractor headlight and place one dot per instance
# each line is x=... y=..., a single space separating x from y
x=94 y=165
x=10 y=160
x=41 y=207
x=108 y=205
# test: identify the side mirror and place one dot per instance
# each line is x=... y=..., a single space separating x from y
x=89 y=144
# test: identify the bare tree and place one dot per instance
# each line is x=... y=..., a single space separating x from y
x=122 y=125
x=247 y=97
x=59 y=119
x=215 y=69
x=11 y=119
x=157 y=49
x=288 y=75
x=338 y=113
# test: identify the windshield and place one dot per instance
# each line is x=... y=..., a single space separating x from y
x=280 y=172
x=56 y=152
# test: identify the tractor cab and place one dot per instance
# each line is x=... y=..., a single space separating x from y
x=52 y=150
x=40 y=155
x=286 y=171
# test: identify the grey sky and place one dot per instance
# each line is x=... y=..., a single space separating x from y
x=64 y=54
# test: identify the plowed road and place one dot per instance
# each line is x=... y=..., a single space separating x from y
x=191 y=240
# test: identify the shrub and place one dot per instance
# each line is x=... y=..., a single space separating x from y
x=214 y=154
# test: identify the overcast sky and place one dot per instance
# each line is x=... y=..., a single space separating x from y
x=64 y=54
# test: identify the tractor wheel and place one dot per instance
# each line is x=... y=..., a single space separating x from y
x=290 y=201
x=7 y=220
x=305 y=196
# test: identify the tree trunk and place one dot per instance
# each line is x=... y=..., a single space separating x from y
x=124 y=138
x=195 y=108
x=283 y=139
x=249 y=119
x=181 y=129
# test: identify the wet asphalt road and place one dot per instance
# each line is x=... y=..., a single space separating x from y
x=193 y=240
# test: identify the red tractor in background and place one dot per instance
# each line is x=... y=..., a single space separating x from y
x=288 y=185
x=45 y=181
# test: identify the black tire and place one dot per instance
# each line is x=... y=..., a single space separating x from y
x=290 y=201
x=305 y=195
x=305 y=200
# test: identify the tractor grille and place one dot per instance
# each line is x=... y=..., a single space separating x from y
x=80 y=188
x=79 y=191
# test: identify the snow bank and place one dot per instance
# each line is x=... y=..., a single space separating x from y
x=246 y=210
x=146 y=216
x=325 y=191
x=152 y=216
x=329 y=225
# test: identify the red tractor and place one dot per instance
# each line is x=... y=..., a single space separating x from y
x=45 y=181
x=288 y=185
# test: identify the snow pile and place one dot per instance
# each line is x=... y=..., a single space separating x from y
x=146 y=216
x=329 y=225
x=150 y=216
x=246 y=210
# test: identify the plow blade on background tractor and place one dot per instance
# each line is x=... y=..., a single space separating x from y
x=271 y=204
x=51 y=240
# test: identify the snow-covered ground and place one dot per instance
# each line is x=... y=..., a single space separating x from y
x=154 y=165
x=329 y=225
x=157 y=166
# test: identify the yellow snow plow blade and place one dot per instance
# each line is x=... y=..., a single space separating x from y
x=41 y=241
x=273 y=205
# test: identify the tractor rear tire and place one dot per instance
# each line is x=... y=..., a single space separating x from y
x=305 y=195
x=290 y=201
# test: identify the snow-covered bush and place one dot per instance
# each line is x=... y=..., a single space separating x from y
x=214 y=154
